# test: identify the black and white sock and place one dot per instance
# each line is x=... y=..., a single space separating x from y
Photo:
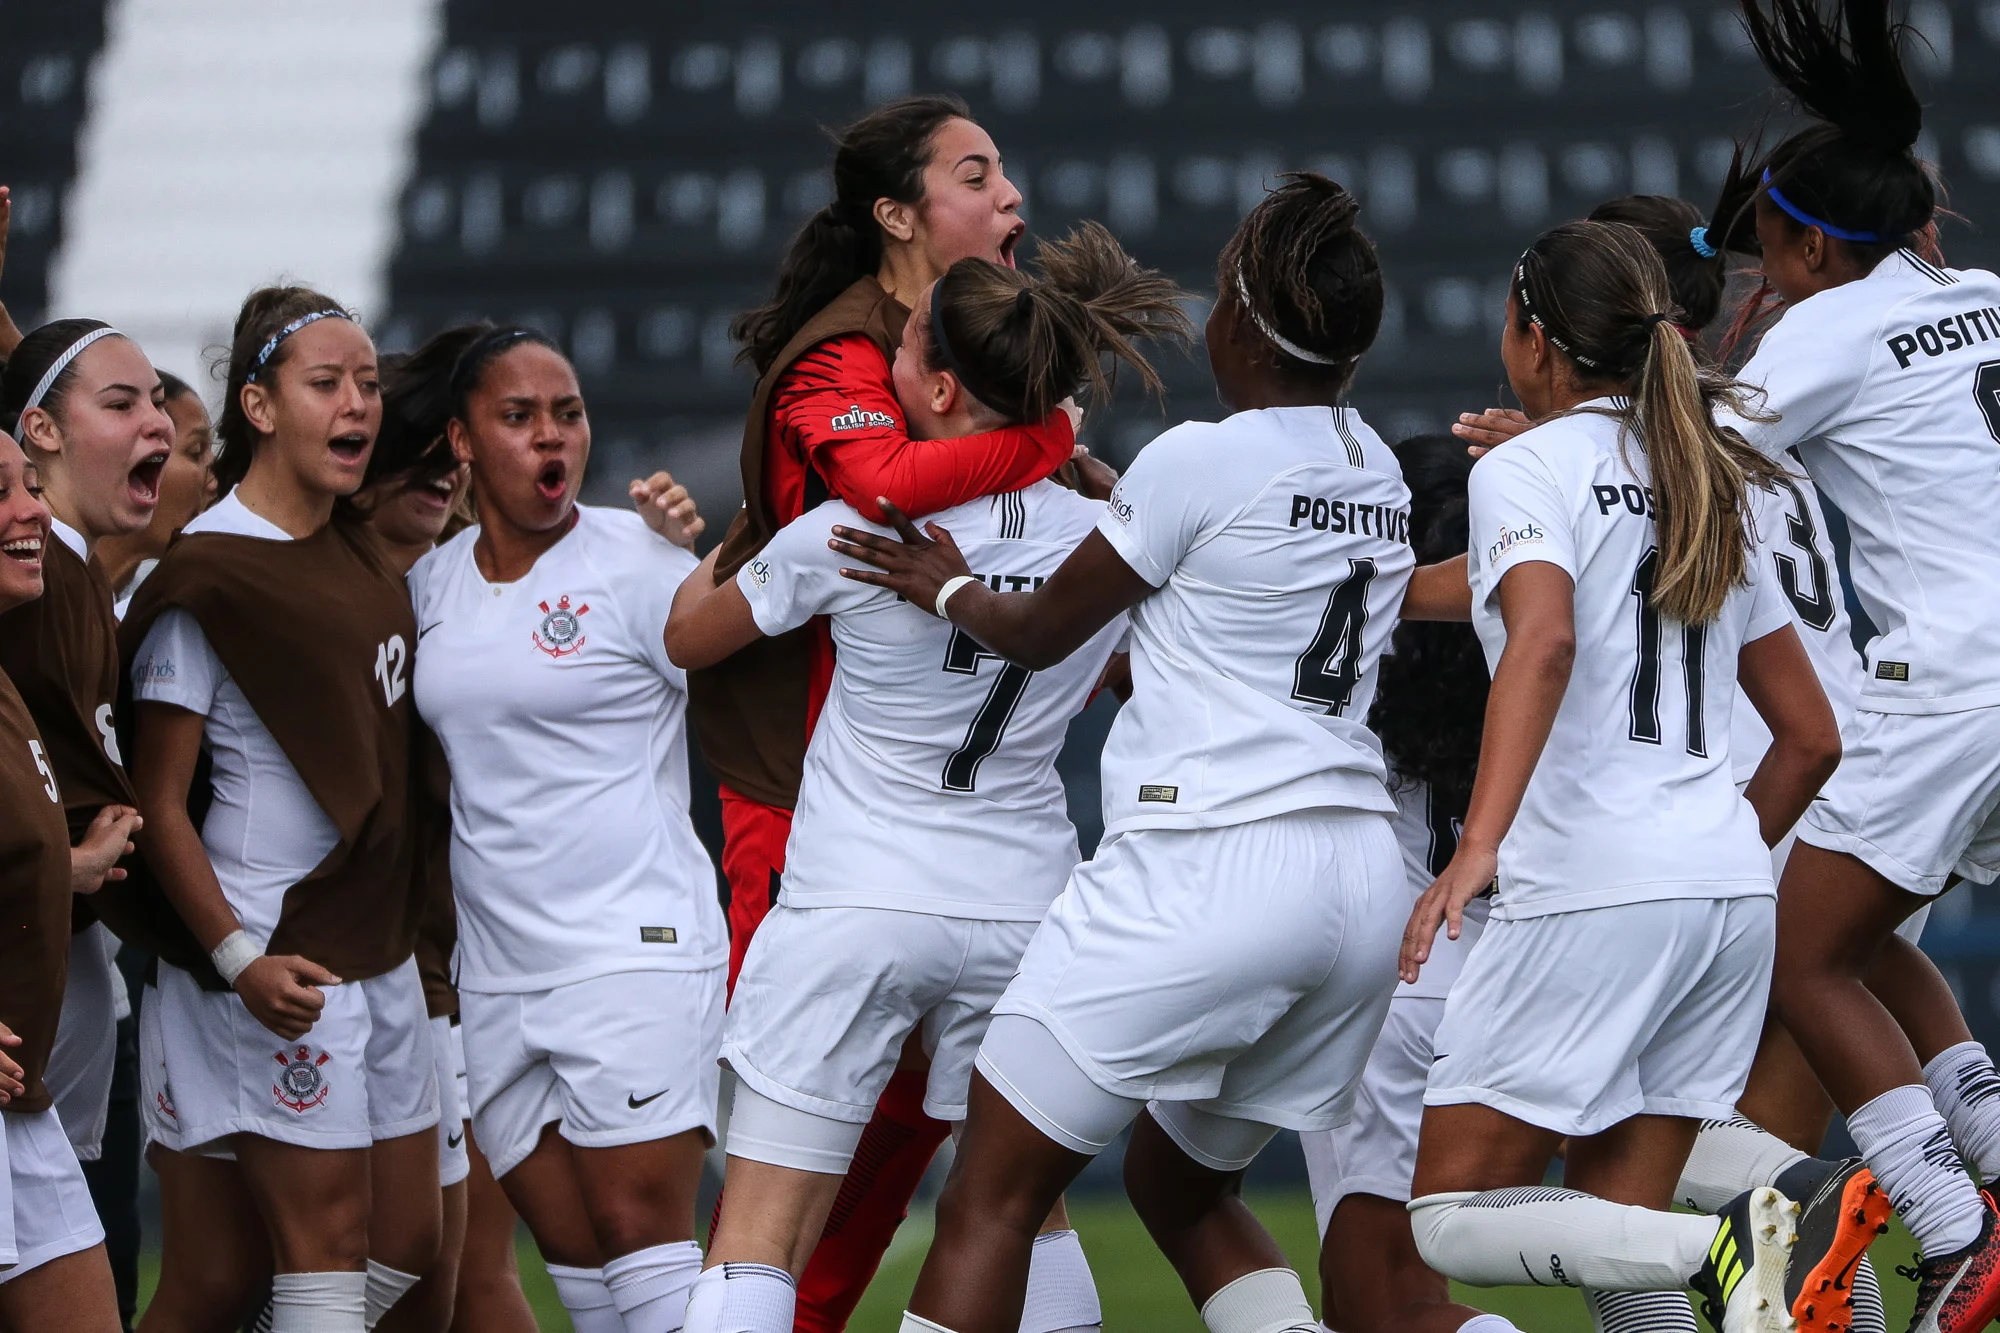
x=1908 y=1146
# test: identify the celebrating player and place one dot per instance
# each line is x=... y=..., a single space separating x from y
x=252 y=643
x=186 y=488
x=590 y=945
x=931 y=832
x=1228 y=954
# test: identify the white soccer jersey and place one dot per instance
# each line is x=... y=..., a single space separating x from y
x=572 y=855
x=1633 y=799
x=1792 y=529
x=1279 y=544
x=1427 y=834
x=1889 y=388
x=930 y=783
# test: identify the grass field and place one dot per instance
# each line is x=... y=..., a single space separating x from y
x=1142 y=1295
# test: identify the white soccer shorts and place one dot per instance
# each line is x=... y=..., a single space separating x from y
x=363 y=1072
x=1916 y=798
x=1578 y=1020
x=628 y=1057
x=1375 y=1152
x=1245 y=969
x=454 y=1164
x=827 y=996
x=47 y=1212
x=86 y=1046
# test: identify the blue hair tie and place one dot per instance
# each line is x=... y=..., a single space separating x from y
x=1806 y=219
x=1698 y=238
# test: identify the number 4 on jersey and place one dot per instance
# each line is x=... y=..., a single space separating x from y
x=1330 y=667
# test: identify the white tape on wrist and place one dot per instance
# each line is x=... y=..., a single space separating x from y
x=951 y=585
x=236 y=952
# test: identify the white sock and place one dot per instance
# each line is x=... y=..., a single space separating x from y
x=386 y=1286
x=916 y=1323
x=1731 y=1156
x=1061 y=1293
x=1638 y=1311
x=1270 y=1300
x=1485 y=1323
x=1558 y=1237
x=650 y=1286
x=1908 y=1147
x=586 y=1298
x=1966 y=1089
x=318 y=1302
x=742 y=1298
x=1869 y=1317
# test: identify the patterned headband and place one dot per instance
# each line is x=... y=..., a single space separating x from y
x=270 y=348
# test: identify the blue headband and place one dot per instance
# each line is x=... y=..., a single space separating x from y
x=1698 y=238
x=270 y=348
x=1806 y=219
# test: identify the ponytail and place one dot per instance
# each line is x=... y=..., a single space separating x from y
x=1600 y=295
x=880 y=156
x=1021 y=344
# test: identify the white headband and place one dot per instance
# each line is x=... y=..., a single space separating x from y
x=55 y=372
x=1282 y=343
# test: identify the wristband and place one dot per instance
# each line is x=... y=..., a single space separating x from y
x=951 y=585
x=236 y=952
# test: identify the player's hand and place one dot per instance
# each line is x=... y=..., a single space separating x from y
x=913 y=568
x=10 y=336
x=668 y=509
x=12 y=1077
x=283 y=993
x=1094 y=476
x=1443 y=904
x=1074 y=411
x=1484 y=430
x=94 y=861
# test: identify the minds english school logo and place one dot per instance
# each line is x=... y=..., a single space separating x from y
x=301 y=1087
x=561 y=630
x=1526 y=534
x=857 y=417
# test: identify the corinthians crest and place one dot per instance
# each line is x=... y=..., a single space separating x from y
x=561 y=630
x=301 y=1087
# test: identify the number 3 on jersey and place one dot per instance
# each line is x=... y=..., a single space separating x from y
x=390 y=660
x=962 y=657
x=1330 y=667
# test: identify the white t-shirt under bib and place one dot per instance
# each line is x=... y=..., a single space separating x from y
x=572 y=853
x=1633 y=799
x=264 y=831
x=1278 y=544
x=930 y=783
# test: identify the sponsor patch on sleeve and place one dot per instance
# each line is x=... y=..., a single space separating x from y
x=856 y=417
x=760 y=572
x=1527 y=534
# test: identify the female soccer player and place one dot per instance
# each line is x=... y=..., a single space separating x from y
x=918 y=185
x=930 y=754
x=1228 y=954
x=49 y=1233
x=86 y=406
x=276 y=637
x=1879 y=375
x=590 y=945
x=186 y=488
x=1617 y=994
x=1427 y=713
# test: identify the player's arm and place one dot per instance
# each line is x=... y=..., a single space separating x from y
x=1438 y=592
x=280 y=992
x=709 y=621
x=1537 y=605
x=1777 y=677
x=868 y=453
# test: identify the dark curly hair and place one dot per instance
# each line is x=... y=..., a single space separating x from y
x=1431 y=703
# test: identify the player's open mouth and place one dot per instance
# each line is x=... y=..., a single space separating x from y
x=143 y=482
x=434 y=494
x=1013 y=238
x=349 y=448
x=552 y=480
x=24 y=550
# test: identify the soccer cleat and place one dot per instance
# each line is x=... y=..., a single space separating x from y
x=1742 y=1282
x=1841 y=1216
x=1960 y=1292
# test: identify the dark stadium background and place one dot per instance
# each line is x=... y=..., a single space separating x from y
x=625 y=175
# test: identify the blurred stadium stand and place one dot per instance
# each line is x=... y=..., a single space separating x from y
x=44 y=59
